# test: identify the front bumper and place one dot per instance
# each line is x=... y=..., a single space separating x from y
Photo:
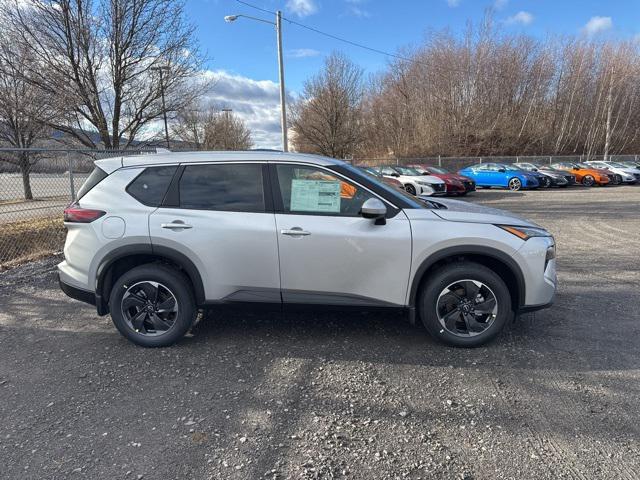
x=539 y=273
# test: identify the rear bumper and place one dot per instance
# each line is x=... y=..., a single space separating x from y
x=77 y=293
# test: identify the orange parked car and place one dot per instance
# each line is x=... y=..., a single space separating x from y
x=586 y=176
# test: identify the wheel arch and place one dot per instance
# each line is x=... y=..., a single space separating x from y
x=127 y=257
x=498 y=261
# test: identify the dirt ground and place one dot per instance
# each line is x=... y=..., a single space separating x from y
x=339 y=395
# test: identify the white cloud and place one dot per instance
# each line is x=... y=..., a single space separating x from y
x=522 y=18
x=597 y=24
x=302 y=8
x=303 y=53
x=453 y=3
x=356 y=9
x=257 y=102
x=500 y=4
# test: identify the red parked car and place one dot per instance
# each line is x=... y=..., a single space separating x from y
x=456 y=184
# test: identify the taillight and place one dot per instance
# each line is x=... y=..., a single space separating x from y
x=74 y=213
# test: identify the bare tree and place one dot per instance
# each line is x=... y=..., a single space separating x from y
x=24 y=114
x=225 y=131
x=100 y=56
x=189 y=125
x=326 y=119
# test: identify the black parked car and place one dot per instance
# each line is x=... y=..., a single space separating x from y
x=558 y=178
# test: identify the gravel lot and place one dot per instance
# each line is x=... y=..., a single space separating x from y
x=340 y=395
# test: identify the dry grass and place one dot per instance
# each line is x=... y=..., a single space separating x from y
x=30 y=239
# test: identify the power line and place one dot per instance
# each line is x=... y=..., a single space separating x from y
x=330 y=35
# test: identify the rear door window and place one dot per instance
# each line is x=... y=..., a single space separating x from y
x=151 y=185
x=226 y=187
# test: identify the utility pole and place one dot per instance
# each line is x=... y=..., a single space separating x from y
x=164 y=107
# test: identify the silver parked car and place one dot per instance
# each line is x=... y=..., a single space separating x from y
x=152 y=239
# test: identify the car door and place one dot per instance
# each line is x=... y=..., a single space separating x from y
x=220 y=216
x=329 y=254
x=487 y=175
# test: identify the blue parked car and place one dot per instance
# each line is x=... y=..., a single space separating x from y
x=503 y=175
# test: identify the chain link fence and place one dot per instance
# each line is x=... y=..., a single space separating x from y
x=35 y=186
x=454 y=164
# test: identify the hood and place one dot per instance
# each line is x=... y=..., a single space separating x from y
x=459 y=211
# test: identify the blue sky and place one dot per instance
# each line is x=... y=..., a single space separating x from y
x=244 y=58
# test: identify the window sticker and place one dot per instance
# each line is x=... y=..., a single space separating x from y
x=315 y=196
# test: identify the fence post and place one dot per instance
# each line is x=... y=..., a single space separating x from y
x=72 y=188
x=550 y=159
x=517 y=159
x=480 y=159
x=439 y=161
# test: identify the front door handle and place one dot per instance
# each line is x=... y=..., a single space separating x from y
x=295 y=232
x=175 y=225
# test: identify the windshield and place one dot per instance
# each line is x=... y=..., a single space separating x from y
x=617 y=165
x=408 y=171
x=439 y=170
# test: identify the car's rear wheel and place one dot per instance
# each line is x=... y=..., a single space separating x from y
x=152 y=305
x=588 y=181
x=515 y=184
x=410 y=189
x=465 y=304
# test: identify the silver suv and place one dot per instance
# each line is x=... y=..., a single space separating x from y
x=153 y=239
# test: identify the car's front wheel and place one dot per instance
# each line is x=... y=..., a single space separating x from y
x=410 y=189
x=152 y=305
x=465 y=304
x=588 y=181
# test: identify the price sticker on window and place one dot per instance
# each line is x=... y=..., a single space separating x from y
x=315 y=196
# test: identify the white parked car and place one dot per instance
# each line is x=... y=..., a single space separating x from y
x=154 y=238
x=627 y=174
x=414 y=181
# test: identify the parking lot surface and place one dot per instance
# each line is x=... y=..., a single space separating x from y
x=340 y=395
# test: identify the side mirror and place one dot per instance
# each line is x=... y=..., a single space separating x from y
x=576 y=168
x=501 y=170
x=394 y=174
x=374 y=208
x=534 y=169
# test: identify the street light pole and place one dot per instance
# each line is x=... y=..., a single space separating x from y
x=164 y=107
x=283 y=106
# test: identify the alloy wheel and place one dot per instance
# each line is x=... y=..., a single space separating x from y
x=588 y=181
x=149 y=308
x=466 y=308
x=515 y=184
x=410 y=189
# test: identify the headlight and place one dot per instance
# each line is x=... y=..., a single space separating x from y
x=525 y=233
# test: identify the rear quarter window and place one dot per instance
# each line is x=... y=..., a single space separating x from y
x=94 y=178
x=150 y=187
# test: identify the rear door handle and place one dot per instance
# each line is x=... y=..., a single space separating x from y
x=176 y=225
x=295 y=232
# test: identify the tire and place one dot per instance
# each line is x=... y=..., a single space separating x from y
x=588 y=181
x=546 y=182
x=487 y=327
x=410 y=189
x=514 y=184
x=136 y=285
x=618 y=179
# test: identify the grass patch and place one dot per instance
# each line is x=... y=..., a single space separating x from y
x=30 y=239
